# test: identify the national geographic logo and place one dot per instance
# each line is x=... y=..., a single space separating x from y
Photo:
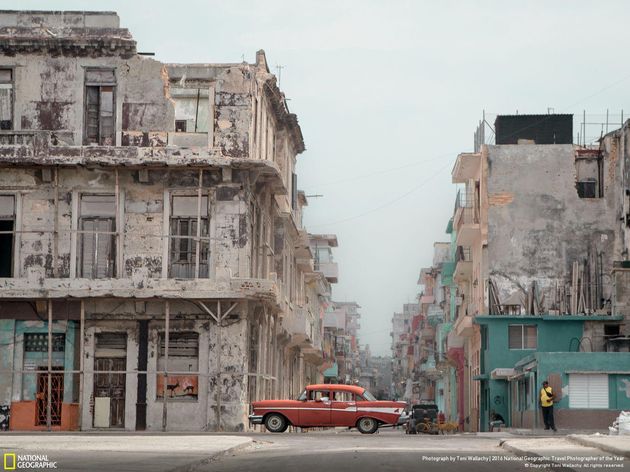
x=9 y=461
x=12 y=461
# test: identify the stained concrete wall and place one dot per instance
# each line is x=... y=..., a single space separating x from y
x=537 y=224
x=49 y=94
x=142 y=218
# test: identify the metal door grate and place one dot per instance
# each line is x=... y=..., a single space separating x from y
x=56 y=397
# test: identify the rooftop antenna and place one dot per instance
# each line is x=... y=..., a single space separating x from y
x=317 y=195
x=279 y=74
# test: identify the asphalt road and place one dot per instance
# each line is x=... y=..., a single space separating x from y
x=390 y=450
x=337 y=450
x=353 y=452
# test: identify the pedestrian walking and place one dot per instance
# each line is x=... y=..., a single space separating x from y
x=546 y=403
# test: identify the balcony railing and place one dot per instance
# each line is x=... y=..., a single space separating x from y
x=463 y=254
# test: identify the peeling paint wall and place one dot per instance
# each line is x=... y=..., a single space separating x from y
x=537 y=224
x=246 y=143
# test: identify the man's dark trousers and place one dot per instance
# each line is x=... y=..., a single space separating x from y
x=548 y=417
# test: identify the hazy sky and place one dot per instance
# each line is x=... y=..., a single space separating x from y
x=387 y=93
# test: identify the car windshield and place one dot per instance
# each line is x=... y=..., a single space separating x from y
x=302 y=396
x=368 y=396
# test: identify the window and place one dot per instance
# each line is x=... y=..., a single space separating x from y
x=6 y=99
x=341 y=396
x=180 y=126
x=189 y=255
x=97 y=239
x=100 y=85
x=183 y=356
x=192 y=109
x=7 y=228
x=319 y=395
x=588 y=391
x=589 y=170
x=522 y=337
x=38 y=342
x=587 y=188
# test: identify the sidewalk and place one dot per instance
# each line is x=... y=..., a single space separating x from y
x=123 y=452
x=561 y=453
x=618 y=445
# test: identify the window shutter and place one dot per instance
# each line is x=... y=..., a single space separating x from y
x=88 y=248
x=588 y=391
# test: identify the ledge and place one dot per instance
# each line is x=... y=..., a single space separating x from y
x=241 y=288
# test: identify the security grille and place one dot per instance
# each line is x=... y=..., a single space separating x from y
x=56 y=383
x=38 y=342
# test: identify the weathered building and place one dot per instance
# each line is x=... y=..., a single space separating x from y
x=154 y=271
x=540 y=230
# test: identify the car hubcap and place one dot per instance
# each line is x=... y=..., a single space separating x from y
x=275 y=422
x=366 y=424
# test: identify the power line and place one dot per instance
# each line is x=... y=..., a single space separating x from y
x=386 y=204
x=384 y=171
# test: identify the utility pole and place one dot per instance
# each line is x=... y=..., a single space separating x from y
x=279 y=73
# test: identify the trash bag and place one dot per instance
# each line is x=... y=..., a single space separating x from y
x=623 y=423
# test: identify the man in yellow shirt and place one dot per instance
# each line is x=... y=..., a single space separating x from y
x=546 y=402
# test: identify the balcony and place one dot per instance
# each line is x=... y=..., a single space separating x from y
x=329 y=269
x=299 y=324
x=464 y=326
x=467 y=167
x=236 y=288
x=463 y=264
x=466 y=219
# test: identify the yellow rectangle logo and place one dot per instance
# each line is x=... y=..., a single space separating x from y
x=8 y=456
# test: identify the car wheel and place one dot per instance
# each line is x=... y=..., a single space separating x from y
x=276 y=423
x=367 y=425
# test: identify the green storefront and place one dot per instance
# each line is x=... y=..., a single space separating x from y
x=516 y=356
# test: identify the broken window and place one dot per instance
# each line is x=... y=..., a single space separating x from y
x=589 y=173
x=522 y=336
x=6 y=99
x=189 y=245
x=183 y=357
x=587 y=188
x=192 y=109
x=7 y=234
x=100 y=85
x=180 y=126
x=97 y=238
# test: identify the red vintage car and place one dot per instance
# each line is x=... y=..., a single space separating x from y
x=329 y=405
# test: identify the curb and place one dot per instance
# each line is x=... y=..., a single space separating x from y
x=194 y=466
x=604 y=447
x=523 y=452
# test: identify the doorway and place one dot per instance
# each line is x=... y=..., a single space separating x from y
x=110 y=362
x=56 y=395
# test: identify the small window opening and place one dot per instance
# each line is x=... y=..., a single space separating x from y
x=587 y=188
x=100 y=85
x=180 y=126
x=7 y=234
x=187 y=252
x=97 y=239
x=6 y=99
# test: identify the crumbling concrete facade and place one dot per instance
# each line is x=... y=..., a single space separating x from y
x=541 y=237
x=149 y=212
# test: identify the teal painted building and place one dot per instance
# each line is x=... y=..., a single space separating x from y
x=24 y=350
x=519 y=352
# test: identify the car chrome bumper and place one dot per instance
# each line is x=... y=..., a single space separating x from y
x=256 y=419
x=403 y=419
